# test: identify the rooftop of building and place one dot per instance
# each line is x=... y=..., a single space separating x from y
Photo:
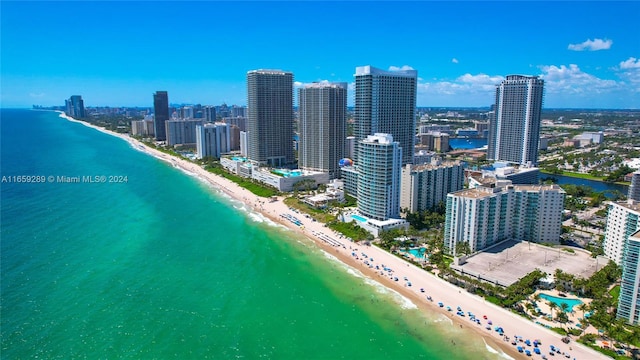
x=630 y=204
x=486 y=191
x=434 y=165
x=269 y=71
x=326 y=84
x=370 y=70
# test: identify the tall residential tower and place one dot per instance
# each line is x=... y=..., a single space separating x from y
x=385 y=103
x=270 y=117
x=379 y=177
x=160 y=114
x=323 y=127
x=75 y=107
x=514 y=132
x=629 y=299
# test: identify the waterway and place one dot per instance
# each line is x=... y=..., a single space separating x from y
x=595 y=185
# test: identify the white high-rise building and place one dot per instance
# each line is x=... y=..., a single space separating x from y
x=212 y=139
x=209 y=113
x=622 y=221
x=380 y=165
x=187 y=112
x=270 y=117
x=243 y=143
x=386 y=103
x=142 y=127
x=323 y=127
x=629 y=299
x=514 y=131
x=486 y=215
x=181 y=131
x=425 y=186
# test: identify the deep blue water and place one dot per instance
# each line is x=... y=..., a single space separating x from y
x=595 y=185
x=461 y=143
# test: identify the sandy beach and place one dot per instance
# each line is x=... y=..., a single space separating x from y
x=366 y=258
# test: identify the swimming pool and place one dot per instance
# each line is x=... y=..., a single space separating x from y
x=358 y=217
x=418 y=253
x=288 y=173
x=559 y=300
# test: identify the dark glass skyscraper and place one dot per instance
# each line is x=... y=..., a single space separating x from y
x=514 y=131
x=323 y=127
x=160 y=114
x=386 y=103
x=75 y=107
x=270 y=117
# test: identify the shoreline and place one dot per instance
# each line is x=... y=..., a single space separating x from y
x=365 y=258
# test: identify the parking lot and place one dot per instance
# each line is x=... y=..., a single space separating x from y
x=508 y=262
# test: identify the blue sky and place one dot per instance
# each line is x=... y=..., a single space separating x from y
x=118 y=53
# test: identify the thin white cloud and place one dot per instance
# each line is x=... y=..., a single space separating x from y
x=298 y=83
x=592 y=45
x=630 y=63
x=404 y=67
x=36 y=95
x=454 y=60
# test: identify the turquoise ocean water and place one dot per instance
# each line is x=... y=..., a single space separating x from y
x=163 y=266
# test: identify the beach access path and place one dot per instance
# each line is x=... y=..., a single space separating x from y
x=438 y=289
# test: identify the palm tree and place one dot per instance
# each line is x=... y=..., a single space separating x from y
x=552 y=306
x=564 y=307
x=583 y=307
x=536 y=298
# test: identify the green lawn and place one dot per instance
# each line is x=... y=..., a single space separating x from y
x=576 y=175
x=615 y=292
x=581 y=176
x=255 y=188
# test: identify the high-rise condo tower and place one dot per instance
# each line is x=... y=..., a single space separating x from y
x=160 y=114
x=323 y=124
x=514 y=132
x=385 y=103
x=270 y=117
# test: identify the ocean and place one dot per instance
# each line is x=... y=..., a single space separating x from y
x=160 y=265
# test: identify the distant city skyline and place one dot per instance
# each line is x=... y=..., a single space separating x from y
x=587 y=53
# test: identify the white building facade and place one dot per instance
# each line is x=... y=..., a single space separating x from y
x=181 y=132
x=424 y=186
x=485 y=216
x=212 y=139
x=380 y=164
x=622 y=222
